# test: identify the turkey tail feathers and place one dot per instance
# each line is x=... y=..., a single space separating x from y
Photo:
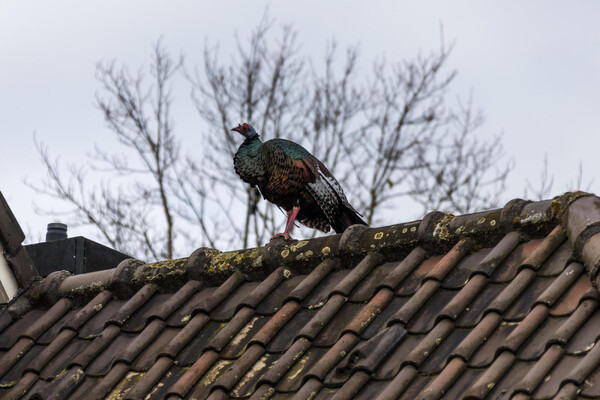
x=346 y=216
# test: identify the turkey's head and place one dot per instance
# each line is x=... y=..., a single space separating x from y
x=246 y=130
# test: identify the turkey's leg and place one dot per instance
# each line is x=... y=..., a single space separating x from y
x=291 y=217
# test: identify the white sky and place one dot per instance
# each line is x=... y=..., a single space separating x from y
x=534 y=68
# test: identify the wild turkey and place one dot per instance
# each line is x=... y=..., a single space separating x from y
x=289 y=176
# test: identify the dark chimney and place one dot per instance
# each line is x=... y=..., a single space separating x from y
x=56 y=231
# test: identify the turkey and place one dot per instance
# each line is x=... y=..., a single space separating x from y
x=289 y=176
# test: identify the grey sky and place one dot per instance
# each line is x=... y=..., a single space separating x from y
x=534 y=68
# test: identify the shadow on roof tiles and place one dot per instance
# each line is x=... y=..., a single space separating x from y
x=102 y=363
x=486 y=353
x=285 y=337
x=381 y=320
x=14 y=373
x=203 y=387
x=236 y=346
x=332 y=330
x=591 y=386
x=59 y=362
x=292 y=380
x=439 y=357
x=534 y=347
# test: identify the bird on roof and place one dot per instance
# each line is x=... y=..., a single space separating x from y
x=289 y=176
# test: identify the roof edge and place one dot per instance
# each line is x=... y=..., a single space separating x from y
x=12 y=236
x=437 y=232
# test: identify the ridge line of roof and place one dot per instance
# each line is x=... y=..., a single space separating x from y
x=577 y=212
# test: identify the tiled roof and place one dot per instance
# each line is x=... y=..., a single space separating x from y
x=21 y=269
x=500 y=304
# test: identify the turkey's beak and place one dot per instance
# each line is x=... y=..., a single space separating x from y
x=237 y=129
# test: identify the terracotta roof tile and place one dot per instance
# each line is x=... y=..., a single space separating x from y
x=150 y=354
x=286 y=336
x=293 y=379
x=478 y=336
x=239 y=368
x=334 y=327
x=314 y=279
x=357 y=274
x=285 y=362
x=508 y=268
x=410 y=285
x=332 y=357
x=318 y=321
x=445 y=265
x=563 y=369
x=382 y=319
x=437 y=387
x=502 y=304
x=404 y=269
x=540 y=369
x=193 y=375
x=318 y=296
x=352 y=386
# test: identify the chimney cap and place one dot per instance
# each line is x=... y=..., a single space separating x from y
x=56 y=231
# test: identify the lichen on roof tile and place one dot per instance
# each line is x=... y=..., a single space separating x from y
x=498 y=303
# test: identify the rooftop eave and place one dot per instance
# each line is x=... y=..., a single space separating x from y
x=577 y=212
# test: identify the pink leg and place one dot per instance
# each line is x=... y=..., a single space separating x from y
x=291 y=217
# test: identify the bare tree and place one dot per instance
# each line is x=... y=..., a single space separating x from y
x=543 y=189
x=390 y=137
x=137 y=110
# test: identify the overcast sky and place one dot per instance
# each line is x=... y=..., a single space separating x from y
x=533 y=68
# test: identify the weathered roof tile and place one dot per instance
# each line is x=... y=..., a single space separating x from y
x=496 y=304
